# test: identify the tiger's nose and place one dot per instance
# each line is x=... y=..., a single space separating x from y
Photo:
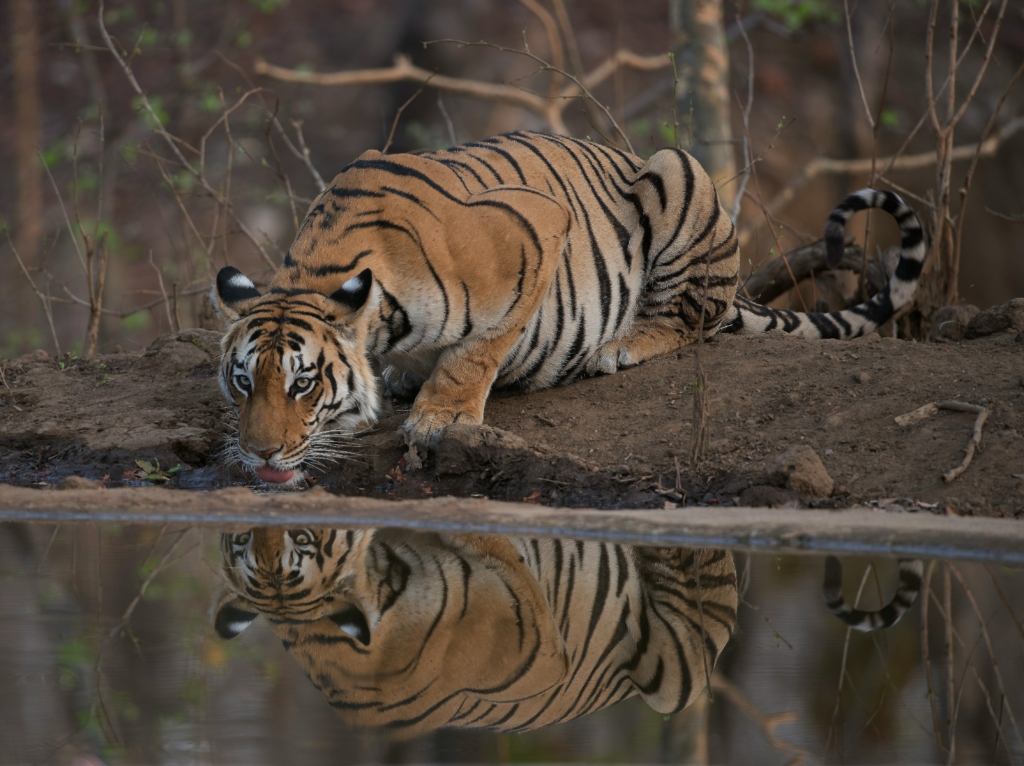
x=266 y=453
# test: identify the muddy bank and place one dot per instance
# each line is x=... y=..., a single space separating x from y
x=604 y=442
x=779 y=530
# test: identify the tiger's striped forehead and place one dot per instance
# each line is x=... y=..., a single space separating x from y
x=287 y=335
x=283 y=322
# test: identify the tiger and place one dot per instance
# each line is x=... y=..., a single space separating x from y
x=414 y=631
x=910 y=573
x=526 y=260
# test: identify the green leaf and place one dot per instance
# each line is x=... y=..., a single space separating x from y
x=137 y=320
x=156 y=104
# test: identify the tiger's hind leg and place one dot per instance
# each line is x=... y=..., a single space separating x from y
x=669 y=327
x=688 y=246
x=647 y=338
x=401 y=384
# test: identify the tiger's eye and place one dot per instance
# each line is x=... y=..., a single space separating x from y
x=243 y=538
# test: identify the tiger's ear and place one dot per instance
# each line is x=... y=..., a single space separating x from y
x=354 y=293
x=232 y=615
x=234 y=293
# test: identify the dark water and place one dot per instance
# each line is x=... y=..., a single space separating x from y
x=109 y=653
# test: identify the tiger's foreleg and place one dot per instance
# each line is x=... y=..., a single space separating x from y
x=457 y=390
x=520 y=234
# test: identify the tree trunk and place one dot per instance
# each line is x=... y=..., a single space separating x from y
x=28 y=233
x=697 y=24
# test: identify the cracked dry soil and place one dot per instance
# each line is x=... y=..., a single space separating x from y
x=611 y=441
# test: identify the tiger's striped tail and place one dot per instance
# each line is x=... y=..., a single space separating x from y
x=910 y=584
x=746 y=317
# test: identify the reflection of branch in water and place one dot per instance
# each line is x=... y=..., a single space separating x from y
x=105 y=721
x=908 y=711
x=767 y=723
x=703 y=633
x=843 y=675
x=46 y=552
x=778 y=636
x=996 y=719
x=988 y=645
x=926 y=589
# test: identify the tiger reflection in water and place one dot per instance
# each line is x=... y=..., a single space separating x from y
x=416 y=631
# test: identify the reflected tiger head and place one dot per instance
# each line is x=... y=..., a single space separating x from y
x=295 y=369
x=381 y=616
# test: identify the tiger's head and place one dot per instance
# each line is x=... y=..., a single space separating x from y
x=292 y=575
x=295 y=369
x=396 y=628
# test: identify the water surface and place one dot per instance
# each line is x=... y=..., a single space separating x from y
x=109 y=652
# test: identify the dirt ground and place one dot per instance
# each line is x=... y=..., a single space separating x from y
x=615 y=441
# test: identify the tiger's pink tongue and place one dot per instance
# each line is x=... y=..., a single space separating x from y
x=273 y=476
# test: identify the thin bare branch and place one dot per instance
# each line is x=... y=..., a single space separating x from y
x=116 y=629
x=43 y=299
x=823 y=165
x=1011 y=217
x=562 y=13
x=955 y=119
x=550 y=109
x=97 y=282
x=926 y=589
x=767 y=724
x=746 y=124
x=837 y=710
x=555 y=45
x=163 y=292
x=856 y=69
x=974 y=443
x=447 y=120
x=172 y=144
x=988 y=645
x=398 y=115
x=404 y=70
x=303 y=153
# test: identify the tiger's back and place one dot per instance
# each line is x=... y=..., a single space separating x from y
x=636 y=233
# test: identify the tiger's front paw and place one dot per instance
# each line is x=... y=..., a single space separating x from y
x=426 y=424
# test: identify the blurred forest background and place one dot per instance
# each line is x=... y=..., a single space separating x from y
x=177 y=136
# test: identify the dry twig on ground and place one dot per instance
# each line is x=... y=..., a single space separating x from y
x=921 y=413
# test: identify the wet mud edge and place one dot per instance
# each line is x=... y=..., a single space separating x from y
x=616 y=441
